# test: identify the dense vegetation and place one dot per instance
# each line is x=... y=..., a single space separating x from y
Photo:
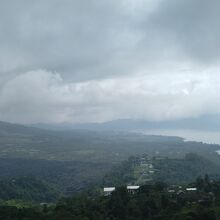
x=72 y=160
x=66 y=176
x=18 y=141
x=168 y=170
x=27 y=188
x=151 y=202
x=184 y=170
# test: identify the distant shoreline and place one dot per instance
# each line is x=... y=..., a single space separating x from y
x=208 y=137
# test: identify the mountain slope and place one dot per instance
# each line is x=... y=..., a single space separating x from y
x=207 y=123
x=75 y=159
x=27 y=188
x=140 y=170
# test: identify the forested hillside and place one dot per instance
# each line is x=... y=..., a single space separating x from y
x=73 y=160
x=184 y=170
x=143 y=169
x=27 y=188
x=150 y=202
x=18 y=141
x=66 y=176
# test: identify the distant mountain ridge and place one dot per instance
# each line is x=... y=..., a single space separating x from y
x=208 y=122
x=12 y=128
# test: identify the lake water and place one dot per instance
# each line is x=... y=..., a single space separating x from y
x=210 y=137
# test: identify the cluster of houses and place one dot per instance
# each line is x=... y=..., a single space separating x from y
x=179 y=190
x=131 y=189
x=191 y=195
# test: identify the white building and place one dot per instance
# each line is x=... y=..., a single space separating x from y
x=108 y=191
x=133 y=189
x=191 y=189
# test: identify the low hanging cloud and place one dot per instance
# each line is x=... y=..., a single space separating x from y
x=42 y=96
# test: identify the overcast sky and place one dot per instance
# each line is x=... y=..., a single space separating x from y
x=100 y=60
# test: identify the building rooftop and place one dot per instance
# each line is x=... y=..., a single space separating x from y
x=191 y=189
x=109 y=189
x=133 y=187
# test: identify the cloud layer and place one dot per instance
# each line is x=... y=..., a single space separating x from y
x=41 y=96
x=100 y=60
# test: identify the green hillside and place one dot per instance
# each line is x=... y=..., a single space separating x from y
x=66 y=176
x=149 y=202
x=17 y=141
x=143 y=169
x=27 y=188
x=73 y=160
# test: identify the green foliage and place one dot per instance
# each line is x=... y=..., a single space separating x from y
x=27 y=188
x=151 y=202
x=120 y=174
x=184 y=170
x=72 y=160
x=66 y=176
x=171 y=171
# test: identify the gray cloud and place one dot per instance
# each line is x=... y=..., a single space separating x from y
x=87 y=39
x=72 y=37
x=192 y=26
x=44 y=96
x=99 y=60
